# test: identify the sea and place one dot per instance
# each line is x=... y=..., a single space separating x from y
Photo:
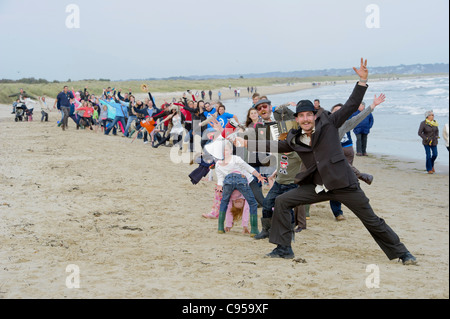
x=396 y=121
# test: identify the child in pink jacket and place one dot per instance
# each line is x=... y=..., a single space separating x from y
x=237 y=209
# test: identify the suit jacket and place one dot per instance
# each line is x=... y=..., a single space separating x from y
x=325 y=155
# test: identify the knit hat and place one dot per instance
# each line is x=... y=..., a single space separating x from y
x=428 y=113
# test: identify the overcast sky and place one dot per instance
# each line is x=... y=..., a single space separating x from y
x=134 y=39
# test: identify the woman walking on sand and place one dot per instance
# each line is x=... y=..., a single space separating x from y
x=429 y=132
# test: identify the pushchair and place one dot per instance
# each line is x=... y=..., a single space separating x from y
x=20 y=112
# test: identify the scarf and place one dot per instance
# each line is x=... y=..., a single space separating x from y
x=431 y=123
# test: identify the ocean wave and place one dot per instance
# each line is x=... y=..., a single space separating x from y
x=437 y=91
x=411 y=109
x=419 y=84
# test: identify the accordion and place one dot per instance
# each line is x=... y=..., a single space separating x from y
x=281 y=128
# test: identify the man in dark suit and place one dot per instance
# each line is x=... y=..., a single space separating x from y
x=327 y=175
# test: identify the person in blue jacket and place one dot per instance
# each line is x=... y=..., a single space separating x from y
x=361 y=131
x=120 y=115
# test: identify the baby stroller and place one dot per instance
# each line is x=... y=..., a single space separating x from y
x=20 y=112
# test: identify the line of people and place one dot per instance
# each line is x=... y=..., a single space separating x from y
x=112 y=111
x=326 y=172
x=183 y=120
x=304 y=156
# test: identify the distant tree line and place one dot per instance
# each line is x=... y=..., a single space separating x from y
x=27 y=81
x=44 y=81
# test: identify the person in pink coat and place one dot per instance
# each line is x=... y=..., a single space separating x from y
x=238 y=208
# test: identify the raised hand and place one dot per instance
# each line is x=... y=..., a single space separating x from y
x=379 y=100
x=216 y=125
x=363 y=72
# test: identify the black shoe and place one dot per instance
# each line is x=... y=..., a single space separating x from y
x=298 y=229
x=282 y=252
x=263 y=234
x=367 y=178
x=408 y=259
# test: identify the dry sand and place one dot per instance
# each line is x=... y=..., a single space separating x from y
x=129 y=218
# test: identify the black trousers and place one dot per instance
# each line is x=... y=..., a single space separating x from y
x=353 y=197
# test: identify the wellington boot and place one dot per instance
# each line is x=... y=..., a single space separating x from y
x=254 y=225
x=266 y=223
x=221 y=223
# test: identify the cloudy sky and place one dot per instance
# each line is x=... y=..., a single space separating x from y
x=118 y=40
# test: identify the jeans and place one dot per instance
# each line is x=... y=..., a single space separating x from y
x=431 y=155
x=65 y=110
x=269 y=201
x=336 y=208
x=177 y=138
x=237 y=181
x=117 y=119
x=44 y=116
x=131 y=118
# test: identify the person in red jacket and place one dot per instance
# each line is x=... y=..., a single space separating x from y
x=86 y=117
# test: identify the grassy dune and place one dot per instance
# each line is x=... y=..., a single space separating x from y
x=96 y=87
x=162 y=86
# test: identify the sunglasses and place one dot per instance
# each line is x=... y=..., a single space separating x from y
x=262 y=106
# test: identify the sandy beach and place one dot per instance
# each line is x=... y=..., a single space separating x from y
x=129 y=219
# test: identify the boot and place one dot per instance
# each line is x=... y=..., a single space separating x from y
x=282 y=252
x=253 y=224
x=221 y=229
x=214 y=213
x=266 y=223
x=367 y=178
